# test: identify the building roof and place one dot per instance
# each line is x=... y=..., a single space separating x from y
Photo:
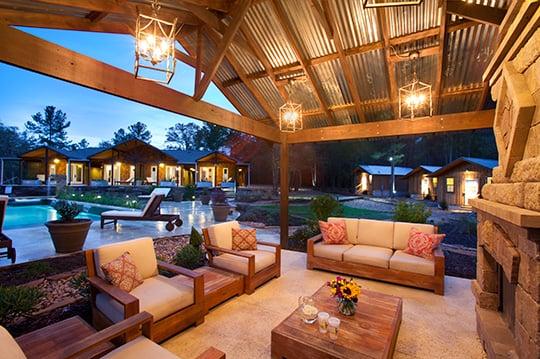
x=482 y=162
x=378 y=170
x=423 y=168
x=187 y=156
x=84 y=153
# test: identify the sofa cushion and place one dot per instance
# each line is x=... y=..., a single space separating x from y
x=221 y=234
x=141 y=251
x=330 y=251
x=351 y=224
x=159 y=296
x=237 y=264
x=422 y=245
x=376 y=233
x=409 y=263
x=140 y=347
x=370 y=255
x=123 y=273
x=244 y=239
x=333 y=232
x=10 y=348
x=402 y=230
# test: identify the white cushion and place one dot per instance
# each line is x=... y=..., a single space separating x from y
x=140 y=249
x=237 y=264
x=330 y=251
x=370 y=255
x=9 y=347
x=221 y=234
x=376 y=233
x=134 y=214
x=159 y=296
x=402 y=229
x=140 y=347
x=409 y=263
x=351 y=225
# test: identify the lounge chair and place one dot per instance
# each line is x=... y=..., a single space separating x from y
x=129 y=181
x=174 y=305
x=5 y=241
x=157 y=191
x=204 y=184
x=150 y=181
x=151 y=212
x=257 y=267
x=96 y=345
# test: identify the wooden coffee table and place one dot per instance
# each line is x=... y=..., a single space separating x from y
x=370 y=333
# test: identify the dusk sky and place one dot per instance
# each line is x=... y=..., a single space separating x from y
x=93 y=115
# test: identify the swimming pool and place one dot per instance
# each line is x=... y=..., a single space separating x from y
x=34 y=215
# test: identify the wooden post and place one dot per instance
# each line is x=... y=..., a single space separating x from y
x=68 y=172
x=284 y=192
x=46 y=166
x=1 y=171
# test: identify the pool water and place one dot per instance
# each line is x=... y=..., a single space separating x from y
x=34 y=215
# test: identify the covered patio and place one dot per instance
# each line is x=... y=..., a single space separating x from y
x=347 y=63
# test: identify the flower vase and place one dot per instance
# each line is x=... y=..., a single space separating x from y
x=346 y=307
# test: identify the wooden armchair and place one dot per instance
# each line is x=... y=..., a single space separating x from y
x=257 y=267
x=5 y=241
x=173 y=305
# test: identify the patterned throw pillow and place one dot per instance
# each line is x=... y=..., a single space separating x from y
x=123 y=273
x=334 y=232
x=421 y=244
x=244 y=239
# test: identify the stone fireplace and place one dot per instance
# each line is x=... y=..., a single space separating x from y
x=507 y=285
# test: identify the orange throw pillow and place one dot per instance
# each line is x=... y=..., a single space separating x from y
x=334 y=232
x=244 y=239
x=123 y=273
x=421 y=244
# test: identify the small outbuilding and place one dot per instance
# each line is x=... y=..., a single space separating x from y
x=421 y=186
x=461 y=180
x=377 y=180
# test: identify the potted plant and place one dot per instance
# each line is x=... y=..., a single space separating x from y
x=205 y=197
x=220 y=207
x=68 y=233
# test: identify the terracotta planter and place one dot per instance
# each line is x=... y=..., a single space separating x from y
x=221 y=211
x=205 y=199
x=69 y=237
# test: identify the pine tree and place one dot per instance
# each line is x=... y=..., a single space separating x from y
x=49 y=128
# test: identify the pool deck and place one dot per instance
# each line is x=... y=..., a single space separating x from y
x=34 y=243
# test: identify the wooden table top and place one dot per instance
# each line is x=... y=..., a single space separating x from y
x=370 y=333
x=48 y=342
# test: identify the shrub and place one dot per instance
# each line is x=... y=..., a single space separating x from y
x=111 y=199
x=298 y=240
x=35 y=270
x=67 y=210
x=443 y=205
x=325 y=206
x=189 y=257
x=189 y=192
x=80 y=283
x=411 y=212
x=195 y=238
x=17 y=301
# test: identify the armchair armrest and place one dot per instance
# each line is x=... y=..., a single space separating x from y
x=198 y=278
x=269 y=244
x=128 y=301
x=311 y=242
x=143 y=320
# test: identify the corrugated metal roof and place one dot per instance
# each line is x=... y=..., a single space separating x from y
x=370 y=74
x=356 y=26
x=250 y=104
x=333 y=82
x=405 y=20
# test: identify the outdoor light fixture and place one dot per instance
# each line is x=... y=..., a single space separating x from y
x=290 y=117
x=56 y=160
x=415 y=98
x=154 y=47
x=378 y=3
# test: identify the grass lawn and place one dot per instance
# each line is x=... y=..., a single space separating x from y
x=349 y=212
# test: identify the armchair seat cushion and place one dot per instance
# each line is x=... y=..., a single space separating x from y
x=409 y=263
x=237 y=264
x=159 y=296
x=330 y=251
x=370 y=255
x=140 y=347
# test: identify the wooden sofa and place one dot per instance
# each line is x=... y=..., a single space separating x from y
x=376 y=252
x=257 y=267
x=174 y=306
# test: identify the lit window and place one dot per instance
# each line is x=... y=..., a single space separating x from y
x=450 y=185
x=435 y=180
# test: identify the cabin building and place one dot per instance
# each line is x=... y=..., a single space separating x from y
x=377 y=180
x=421 y=186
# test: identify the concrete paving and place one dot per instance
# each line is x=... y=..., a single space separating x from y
x=433 y=326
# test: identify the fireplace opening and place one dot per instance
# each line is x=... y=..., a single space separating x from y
x=507 y=299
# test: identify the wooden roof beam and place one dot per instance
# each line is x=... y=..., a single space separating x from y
x=441 y=60
x=392 y=84
x=228 y=37
x=480 y=13
x=286 y=25
x=34 y=54
x=464 y=121
x=219 y=5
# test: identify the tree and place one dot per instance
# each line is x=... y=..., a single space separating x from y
x=139 y=131
x=79 y=146
x=120 y=136
x=12 y=144
x=105 y=144
x=212 y=137
x=182 y=136
x=49 y=127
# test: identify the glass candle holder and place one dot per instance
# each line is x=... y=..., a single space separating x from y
x=323 y=321
x=308 y=309
x=333 y=327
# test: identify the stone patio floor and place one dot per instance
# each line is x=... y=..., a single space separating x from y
x=433 y=326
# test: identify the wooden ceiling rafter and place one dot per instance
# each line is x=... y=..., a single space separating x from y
x=441 y=59
x=481 y=13
x=391 y=79
x=286 y=26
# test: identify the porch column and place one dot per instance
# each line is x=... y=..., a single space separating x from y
x=249 y=175
x=112 y=172
x=284 y=192
x=1 y=171
x=46 y=166
x=88 y=178
x=68 y=172
x=178 y=176
x=196 y=172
